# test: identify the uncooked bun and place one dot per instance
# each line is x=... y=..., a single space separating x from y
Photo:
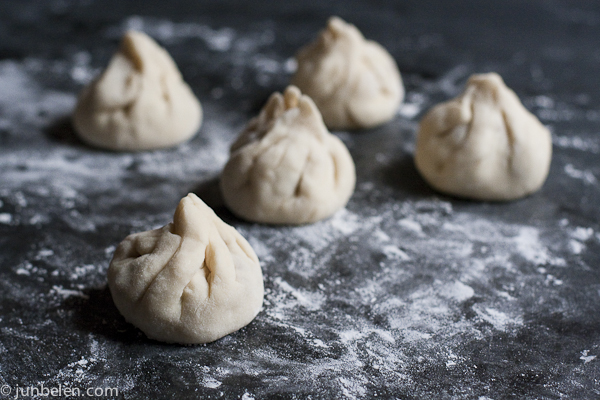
x=140 y=102
x=354 y=82
x=192 y=281
x=285 y=167
x=483 y=144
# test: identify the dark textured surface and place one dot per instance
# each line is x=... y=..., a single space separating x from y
x=404 y=294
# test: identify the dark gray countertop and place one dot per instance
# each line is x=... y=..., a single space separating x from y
x=404 y=294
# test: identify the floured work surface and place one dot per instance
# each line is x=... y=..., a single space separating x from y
x=404 y=293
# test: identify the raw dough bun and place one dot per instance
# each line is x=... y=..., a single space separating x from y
x=354 y=82
x=483 y=144
x=285 y=167
x=140 y=102
x=192 y=281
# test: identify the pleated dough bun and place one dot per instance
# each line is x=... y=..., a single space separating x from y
x=354 y=82
x=483 y=144
x=140 y=102
x=193 y=281
x=285 y=167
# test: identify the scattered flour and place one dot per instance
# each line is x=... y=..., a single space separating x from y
x=586 y=176
x=169 y=32
x=23 y=101
x=409 y=110
x=582 y=233
x=211 y=382
x=585 y=358
x=66 y=293
x=394 y=252
x=43 y=253
x=457 y=291
x=578 y=143
x=5 y=218
x=310 y=300
x=498 y=319
x=579 y=236
x=530 y=248
x=412 y=225
x=413 y=104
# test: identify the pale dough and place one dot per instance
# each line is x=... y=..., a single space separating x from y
x=354 y=82
x=193 y=281
x=140 y=102
x=285 y=167
x=483 y=144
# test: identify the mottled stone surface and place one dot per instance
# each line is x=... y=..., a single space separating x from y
x=404 y=294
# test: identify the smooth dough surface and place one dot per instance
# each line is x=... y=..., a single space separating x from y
x=483 y=144
x=354 y=82
x=139 y=102
x=193 y=281
x=285 y=167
